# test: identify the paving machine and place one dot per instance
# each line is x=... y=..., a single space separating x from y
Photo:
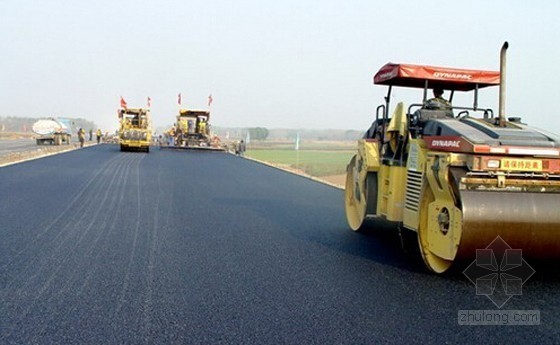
x=456 y=177
x=135 y=132
x=192 y=131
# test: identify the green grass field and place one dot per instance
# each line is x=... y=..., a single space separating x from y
x=313 y=162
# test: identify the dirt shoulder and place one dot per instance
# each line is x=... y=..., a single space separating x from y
x=338 y=180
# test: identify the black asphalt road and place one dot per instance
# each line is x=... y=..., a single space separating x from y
x=103 y=247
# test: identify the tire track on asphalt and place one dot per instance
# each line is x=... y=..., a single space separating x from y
x=63 y=258
x=63 y=213
x=134 y=242
x=121 y=173
x=67 y=228
x=155 y=248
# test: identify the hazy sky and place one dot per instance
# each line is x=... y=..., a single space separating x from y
x=288 y=63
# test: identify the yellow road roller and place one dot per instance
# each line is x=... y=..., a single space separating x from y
x=456 y=177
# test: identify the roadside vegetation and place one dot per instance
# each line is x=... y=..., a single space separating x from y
x=313 y=157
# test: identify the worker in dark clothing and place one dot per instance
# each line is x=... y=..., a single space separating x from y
x=241 y=147
x=438 y=101
x=90 y=134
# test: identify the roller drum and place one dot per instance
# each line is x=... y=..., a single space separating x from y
x=527 y=221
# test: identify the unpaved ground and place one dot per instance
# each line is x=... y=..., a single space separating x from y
x=15 y=136
x=338 y=180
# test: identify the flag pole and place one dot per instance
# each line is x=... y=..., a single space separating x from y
x=297 y=151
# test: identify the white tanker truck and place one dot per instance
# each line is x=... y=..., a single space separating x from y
x=52 y=131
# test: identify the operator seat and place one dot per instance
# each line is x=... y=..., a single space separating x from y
x=424 y=114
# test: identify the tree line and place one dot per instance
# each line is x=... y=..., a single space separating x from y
x=24 y=124
x=258 y=133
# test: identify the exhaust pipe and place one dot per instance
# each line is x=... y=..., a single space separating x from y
x=502 y=101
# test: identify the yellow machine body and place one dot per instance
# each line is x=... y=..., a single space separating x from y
x=135 y=132
x=192 y=132
x=454 y=201
x=457 y=178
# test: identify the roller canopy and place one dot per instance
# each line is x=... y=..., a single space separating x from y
x=438 y=77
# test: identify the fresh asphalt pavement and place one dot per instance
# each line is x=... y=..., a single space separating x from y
x=103 y=247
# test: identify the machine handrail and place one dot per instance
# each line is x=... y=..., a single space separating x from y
x=486 y=111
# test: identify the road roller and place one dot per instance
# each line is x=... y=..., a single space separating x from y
x=456 y=177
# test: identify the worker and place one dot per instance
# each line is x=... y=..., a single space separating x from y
x=438 y=101
x=81 y=136
x=171 y=137
x=202 y=127
x=215 y=141
x=90 y=134
x=99 y=134
x=241 y=148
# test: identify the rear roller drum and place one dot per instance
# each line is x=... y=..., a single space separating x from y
x=360 y=196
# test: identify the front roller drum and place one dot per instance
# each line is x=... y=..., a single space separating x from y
x=526 y=221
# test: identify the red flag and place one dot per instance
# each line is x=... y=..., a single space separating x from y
x=210 y=100
x=149 y=102
x=179 y=99
x=123 y=103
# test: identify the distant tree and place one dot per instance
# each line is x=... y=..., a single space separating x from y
x=352 y=135
x=258 y=133
x=24 y=124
